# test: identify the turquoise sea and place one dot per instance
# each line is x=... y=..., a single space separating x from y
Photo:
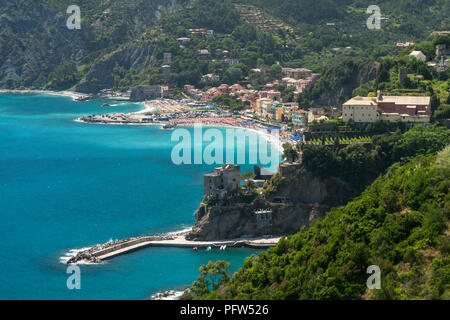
x=67 y=185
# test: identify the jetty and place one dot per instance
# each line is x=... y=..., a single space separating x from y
x=109 y=250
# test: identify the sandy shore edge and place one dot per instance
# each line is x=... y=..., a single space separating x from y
x=69 y=94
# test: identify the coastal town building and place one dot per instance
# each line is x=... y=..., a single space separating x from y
x=248 y=94
x=411 y=108
x=276 y=112
x=201 y=32
x=223 y=180
x=288 y=110
x=360 y=109
x=270 y=94
x=403 y=45
x=263 y=107
x=418 y=55
x=300 y=118
x=297 y=73
x=415 y=109
x=316 y=114
x=210 y=78
x=142 y=93
x=203 y=53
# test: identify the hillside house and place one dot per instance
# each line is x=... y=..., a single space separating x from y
x=300 y=118
x=418 y=55
x=388 y=108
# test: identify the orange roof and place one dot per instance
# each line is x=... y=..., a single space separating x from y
x=300 y=111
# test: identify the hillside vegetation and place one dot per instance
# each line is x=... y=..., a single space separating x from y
x=399 y=223
x=122 y=43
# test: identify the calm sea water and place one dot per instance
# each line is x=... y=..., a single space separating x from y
x=66 y=185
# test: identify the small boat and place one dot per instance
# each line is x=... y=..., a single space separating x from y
x=195 y=248
x=106 y=105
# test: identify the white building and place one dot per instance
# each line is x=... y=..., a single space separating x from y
x=418 y=55
x=360 y=109
x=263 y=107
x=414 y=109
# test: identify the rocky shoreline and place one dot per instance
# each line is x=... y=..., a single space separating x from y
x=299 y=199
x=102 y=252
x=92 y=254
x=167 y=295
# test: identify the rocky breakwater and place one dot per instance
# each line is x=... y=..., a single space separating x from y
x=291 y=200
x=92 y=255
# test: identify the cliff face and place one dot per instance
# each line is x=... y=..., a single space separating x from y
x=35 y=40
x=299 y=200
x=337 y=83
x=136 y=56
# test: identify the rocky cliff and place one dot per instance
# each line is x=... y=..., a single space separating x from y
x=298 y=200
x=136 y=56
x=35 y=41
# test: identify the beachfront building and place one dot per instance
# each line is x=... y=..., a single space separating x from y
x=288 y=110
x=263 y=107
x=276 y=112
x=300 y=118
x=223 y=180
x=360 y=109
x=142 y=93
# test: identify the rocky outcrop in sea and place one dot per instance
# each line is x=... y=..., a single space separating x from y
x=300 y=199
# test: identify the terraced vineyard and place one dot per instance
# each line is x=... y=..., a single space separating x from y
x=341 y=141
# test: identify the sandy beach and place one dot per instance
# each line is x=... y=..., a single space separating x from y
x=180 y=114
x=69 y=94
